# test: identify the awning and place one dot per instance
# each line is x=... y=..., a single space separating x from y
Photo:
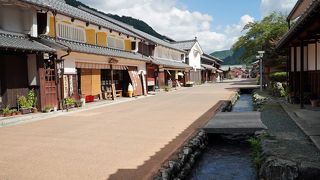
x=180 y=74
x=208 y=67
x=170 y=63
x=84 y=65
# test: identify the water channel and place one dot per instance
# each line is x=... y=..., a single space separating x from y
x=226 y=160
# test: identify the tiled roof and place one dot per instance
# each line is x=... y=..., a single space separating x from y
x=20 y=42
x=303 y=19
x=63 y=8
x=133 y=30
x=169 y=63
x=91 y=49
x=206 y=66
x=209 y=59
x=186 y=45
x=212 y=57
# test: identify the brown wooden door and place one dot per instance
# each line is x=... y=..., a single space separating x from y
x=48 y=88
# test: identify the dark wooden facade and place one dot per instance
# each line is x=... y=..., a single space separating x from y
x=14 y=80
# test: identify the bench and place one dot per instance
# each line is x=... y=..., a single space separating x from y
x=118 y=94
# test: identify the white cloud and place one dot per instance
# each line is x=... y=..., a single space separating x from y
x=268 y=6
x=168 y=19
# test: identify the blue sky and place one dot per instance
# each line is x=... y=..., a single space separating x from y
x=225 y=12
x=216 y=23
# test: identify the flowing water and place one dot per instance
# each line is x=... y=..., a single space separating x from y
x=225 y=160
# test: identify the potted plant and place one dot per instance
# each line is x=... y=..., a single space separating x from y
x=25 y=106
x=35 y=109
x=19 y=112
x=6 y=111
x=70 y=102
x=78 y=103
x=47 y=109
x=314 y=100
x=13 y=112
x=166 y=88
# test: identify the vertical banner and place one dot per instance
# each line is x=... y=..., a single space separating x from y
x=136 y=81
x=65 y=86
x=71 y=85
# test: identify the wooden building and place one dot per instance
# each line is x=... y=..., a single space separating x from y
x=25 y=64
x=193 y=58
x=302 y=43
x=210 y=71
x=99 y=56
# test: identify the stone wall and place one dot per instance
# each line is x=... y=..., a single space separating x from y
x=180 y=168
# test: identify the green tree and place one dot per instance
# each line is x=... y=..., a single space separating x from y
x=263 y=35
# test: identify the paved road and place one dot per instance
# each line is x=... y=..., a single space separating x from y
x=123 y=141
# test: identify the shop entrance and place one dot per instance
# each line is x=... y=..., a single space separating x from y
x=121 y=80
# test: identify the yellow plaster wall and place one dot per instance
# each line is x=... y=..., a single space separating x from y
x=127 y=45
x=51 y=27
x=102 y=38
x=90 y=36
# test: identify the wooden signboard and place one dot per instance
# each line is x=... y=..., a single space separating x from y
x=136 y=81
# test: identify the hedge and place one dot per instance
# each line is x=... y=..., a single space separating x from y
x=278 y=76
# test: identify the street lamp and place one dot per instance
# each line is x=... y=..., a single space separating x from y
x=260 y=56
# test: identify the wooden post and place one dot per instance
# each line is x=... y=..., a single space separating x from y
x=294 y=83
x=112 y=84
x=301 y=74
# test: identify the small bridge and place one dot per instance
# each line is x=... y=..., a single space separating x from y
x=235 y=122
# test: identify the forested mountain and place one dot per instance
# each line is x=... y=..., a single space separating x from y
x=136 y=23
x=231 y=57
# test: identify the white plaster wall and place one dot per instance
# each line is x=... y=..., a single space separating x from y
x=33 y=77
x=311 y=57
x=298 y=59
x=18 y=19
x=69 y=66
x=305 y=59
x=195 y=56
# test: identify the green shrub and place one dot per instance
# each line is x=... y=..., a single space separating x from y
x=229 y=75
x=6 y=110
x=278 y=76
x=23 y=102
x=256 y=151
x=47 y=108
x=70 y=100
x=166 y=88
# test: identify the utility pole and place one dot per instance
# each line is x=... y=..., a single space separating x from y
x=260 y=56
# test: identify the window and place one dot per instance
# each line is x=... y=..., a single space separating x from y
x=182 y=57
x=133 y=45
x=115 y=43
x=69 y=32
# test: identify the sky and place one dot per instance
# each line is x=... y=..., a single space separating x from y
x=217 y=24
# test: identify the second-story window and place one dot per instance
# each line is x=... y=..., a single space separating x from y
x=115 y=43
x=69 y=32
x=182 y=57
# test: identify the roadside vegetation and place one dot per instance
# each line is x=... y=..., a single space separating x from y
x=263 y=35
